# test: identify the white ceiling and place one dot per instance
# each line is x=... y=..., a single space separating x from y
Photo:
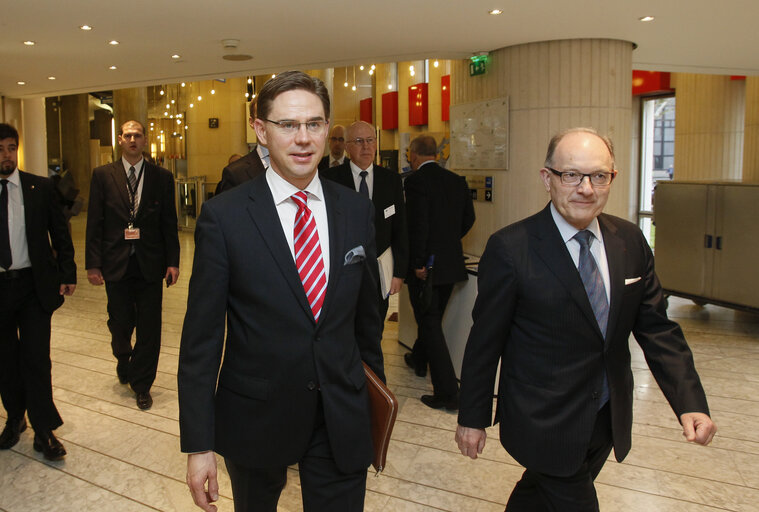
x=704 y=36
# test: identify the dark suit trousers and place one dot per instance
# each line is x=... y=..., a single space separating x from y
x=134 y=303
x=430 y=346
x=324 y=487
x=537 y=492
x=25 y=368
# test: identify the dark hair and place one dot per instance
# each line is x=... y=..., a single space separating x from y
x=423 y=145
x=252 y=108
x=290 y=81
x=8 y=132
x=121 y=128
x=557 y=138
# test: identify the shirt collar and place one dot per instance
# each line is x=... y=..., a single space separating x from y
x=568 y=231
x=356 y=170
x=263 y=151
x=281 y=189
x=14 y=178
x=127 y=165
x=425 y=163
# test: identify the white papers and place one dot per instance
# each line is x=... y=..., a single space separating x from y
x=385 y=263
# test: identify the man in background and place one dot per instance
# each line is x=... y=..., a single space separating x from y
x=336 y=154
x=241 y=169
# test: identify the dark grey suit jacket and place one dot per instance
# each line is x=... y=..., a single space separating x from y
x=532 y=313
x=278 y=362
x=241 y=170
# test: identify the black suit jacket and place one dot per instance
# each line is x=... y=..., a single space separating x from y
x=387 y=195
x=324 y=162
x=277 y=361
x=108 y=216
x=440 y=212
x=241 y=170
x=532 y=313
x=45 y=225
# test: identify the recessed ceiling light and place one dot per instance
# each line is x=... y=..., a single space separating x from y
x=112 y=67
x=113 y=42
x=29 y=43
x=646 y=18
x=176 y=56
x=21 y=82
x=495 y=12
x=85 y=27
x=51 y=78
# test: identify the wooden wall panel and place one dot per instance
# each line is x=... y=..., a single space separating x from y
x=751 y=131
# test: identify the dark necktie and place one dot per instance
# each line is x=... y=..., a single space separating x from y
x=132 y=181
x=308 y=254
x=334 y=163
x=5 y=240
x=362 y=187
x=594 y=287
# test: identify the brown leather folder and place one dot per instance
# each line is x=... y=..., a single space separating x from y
x=384 y=407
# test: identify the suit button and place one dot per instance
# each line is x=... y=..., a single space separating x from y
x=311 y=385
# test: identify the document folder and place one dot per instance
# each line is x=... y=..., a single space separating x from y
x=384 y=409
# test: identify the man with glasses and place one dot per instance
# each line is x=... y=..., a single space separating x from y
x=336 y=156
x=289 y=261
x=559 y=294
x=385 y=189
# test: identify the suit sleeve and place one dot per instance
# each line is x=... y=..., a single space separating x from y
x=60 y=238
x=664 y=346
x=93 y=256
x=399 y=242
x=467 y=220
x=203 y=335
x=417 y=211
x=226 y=181
x=169 y=222
x=492 y=314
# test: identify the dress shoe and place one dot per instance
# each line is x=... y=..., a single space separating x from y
x=12 y=433
x=441 y=402
x=420 y=370
x=144 y=400
x=122 y=371
x=50 y=447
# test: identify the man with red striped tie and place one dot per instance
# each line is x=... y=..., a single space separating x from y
x=290 y=262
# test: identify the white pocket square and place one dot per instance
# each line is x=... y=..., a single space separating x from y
x=632 y=280
x=355 y=255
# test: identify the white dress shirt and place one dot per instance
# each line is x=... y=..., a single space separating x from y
x=281 y=191
x=356 y=171
x=597 y=248
x=339 y=161
x=263 y=154
x=17 y=224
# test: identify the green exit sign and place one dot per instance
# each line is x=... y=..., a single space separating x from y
x=478 y=65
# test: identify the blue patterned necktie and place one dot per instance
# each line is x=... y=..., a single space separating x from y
x=363 y=188
x=594 y=287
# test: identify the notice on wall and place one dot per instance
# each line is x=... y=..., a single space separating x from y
x=480 y=135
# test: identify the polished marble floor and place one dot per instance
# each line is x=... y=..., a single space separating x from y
x=123 y=459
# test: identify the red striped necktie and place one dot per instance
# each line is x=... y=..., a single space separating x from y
x=308 y=255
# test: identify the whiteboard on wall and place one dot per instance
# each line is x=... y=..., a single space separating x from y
x=480 y=135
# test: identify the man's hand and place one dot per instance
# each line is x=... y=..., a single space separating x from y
x=67 y=289
x=421 y=273
x=698 y=427
x=172 y=275
x=471 y=441
x=94 y=276
x=395 y=285
x=201 y=468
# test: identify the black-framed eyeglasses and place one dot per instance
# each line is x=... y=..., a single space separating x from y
x=337 y=139
x=361 y=141
x=289 y=127
x=574 y=178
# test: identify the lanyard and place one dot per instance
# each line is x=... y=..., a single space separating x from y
x=133 y=194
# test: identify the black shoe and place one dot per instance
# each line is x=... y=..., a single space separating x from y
x=420 y=370
x=12 y=433
x=122 y=367
x=50 y=447
x=144 y=400
x=441 y=402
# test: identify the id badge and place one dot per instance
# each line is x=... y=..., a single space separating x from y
x=132 y=234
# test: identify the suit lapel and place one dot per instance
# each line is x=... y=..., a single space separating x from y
x=29 y=194
x=615 y=257
x=553 y=251
x=147 y=187
x=264 y=215
x=337 y=226
x=120 y=182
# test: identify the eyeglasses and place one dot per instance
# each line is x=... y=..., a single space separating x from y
x=360 y=142
x=574 y=178
x=337 y=139
x=288 y=127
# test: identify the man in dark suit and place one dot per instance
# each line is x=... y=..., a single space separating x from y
x=132 y=244
x=385 y=189
x=289 y=260
x=34 y=277
x=247 y=167
x=440 y=212
x=336 y=155
x=559 y=294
